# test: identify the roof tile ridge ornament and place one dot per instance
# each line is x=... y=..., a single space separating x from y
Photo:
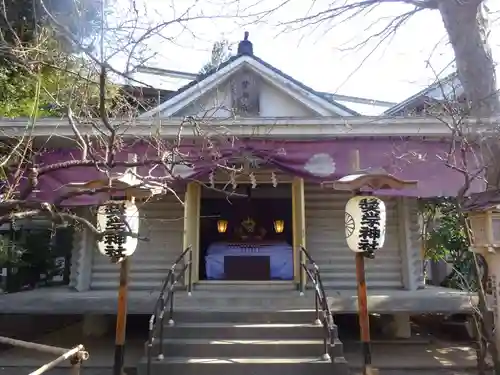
x=245 y=47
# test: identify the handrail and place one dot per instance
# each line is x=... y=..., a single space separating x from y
x=75 y=355
x=323 y=312
x=166 y=299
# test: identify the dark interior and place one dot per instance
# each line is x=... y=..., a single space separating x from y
x=263 y=204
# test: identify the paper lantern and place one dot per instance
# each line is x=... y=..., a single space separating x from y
x=120 y=218
x=222 y=226
x=279 y=226
x=365 y=223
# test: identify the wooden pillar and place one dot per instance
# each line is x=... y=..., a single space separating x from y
x=410 y=280
x=493 y=297
x=191 y=238
x=83 y=252
x=299 y=226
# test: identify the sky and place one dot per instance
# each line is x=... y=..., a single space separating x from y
x=321 y=56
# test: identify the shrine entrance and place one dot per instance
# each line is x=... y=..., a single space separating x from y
x=247 y=236
x=253 y=235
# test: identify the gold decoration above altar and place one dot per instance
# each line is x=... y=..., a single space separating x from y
x=248 y=230
x=248 y=225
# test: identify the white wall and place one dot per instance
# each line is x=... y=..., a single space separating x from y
x=272 y=102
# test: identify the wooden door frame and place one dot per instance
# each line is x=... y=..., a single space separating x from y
x=192 y=200
x=192 y=207
x=299 y=227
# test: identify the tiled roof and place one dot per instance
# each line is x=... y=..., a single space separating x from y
x=445 y=86
x=202 y=77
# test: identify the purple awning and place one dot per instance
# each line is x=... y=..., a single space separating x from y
x=317 y=161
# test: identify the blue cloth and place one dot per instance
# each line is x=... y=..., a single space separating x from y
x=280 y=257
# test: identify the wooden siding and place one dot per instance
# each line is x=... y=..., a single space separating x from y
x=162 y=222
x=326 y=243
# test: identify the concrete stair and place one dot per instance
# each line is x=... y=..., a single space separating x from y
x=245 y=343
x=246 y=287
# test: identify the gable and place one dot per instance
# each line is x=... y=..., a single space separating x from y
x=225 y=100
x=277 y=95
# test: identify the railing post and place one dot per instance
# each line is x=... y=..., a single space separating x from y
x=148 y=358
x=162 y=323
x=326 y=344
x=190 y=270
x=76 y=363
x=167 y=296
x=331 y=329
x=171 y=294
x=149 y=348
x=301 y=282
x=301 y=272
x=317 y=298
x=317 y=321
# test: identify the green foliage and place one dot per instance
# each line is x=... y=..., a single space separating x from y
x=220 y=54
x=23 y=18
x=40 y=75
x=46 y=79
x=445 y=238
x=34 y=257
x=10 y=252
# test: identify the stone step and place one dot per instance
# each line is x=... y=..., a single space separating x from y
x=246 y=316
x=135 y=284
x=260 y=348
x=332 y=284
x=245 y=343
x=247 y=286
x=245 y=366
x=142 y=275
x=250 y=331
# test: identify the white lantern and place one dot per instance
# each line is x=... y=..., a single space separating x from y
x=365 y=223
x=119 y=217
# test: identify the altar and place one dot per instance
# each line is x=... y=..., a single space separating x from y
x=249 y=261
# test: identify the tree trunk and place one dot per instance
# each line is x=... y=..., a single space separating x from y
x=468 y=31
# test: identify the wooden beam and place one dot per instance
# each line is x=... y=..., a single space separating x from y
x=299 y=230
x=192 y=227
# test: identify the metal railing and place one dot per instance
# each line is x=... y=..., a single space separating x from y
x=166 y=301
x=323 y=312
x=75 y=355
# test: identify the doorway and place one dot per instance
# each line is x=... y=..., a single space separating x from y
x=247 y=236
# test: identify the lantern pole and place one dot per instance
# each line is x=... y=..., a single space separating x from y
x=355 y=183
x=363 y=316
x=121 y=313
x=133 y=188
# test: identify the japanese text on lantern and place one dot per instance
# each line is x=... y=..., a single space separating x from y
x=370 y=229
x=116 y=239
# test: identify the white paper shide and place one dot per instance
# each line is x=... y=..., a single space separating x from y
x=365 y=220
x=119 y=219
